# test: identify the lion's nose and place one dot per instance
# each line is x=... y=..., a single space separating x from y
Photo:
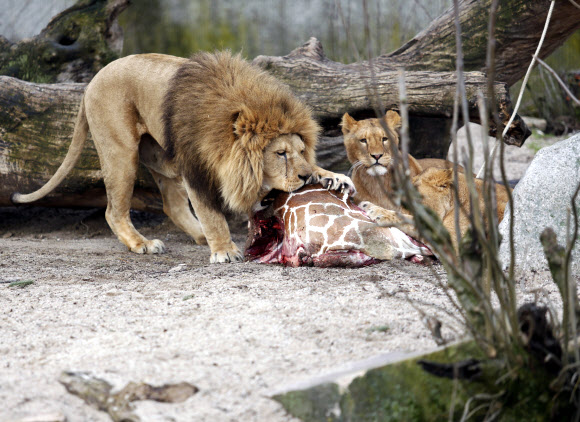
x=376 y=156
x=304 y=177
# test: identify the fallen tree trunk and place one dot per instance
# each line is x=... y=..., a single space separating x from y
x=332 y=89
x=36 y=125
x=519 y=26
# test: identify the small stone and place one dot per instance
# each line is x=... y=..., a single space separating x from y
x=180 y=267
x=7 y=235
x=113 y=292
x=47 y=417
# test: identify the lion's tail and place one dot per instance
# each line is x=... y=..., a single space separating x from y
x=72 y=156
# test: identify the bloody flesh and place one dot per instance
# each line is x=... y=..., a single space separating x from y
x=316 y=227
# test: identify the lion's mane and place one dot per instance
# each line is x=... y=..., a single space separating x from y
x=220 y=112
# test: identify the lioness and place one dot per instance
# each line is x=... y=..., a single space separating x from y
x=369 y=150
x=436 y=187
x=213 y=129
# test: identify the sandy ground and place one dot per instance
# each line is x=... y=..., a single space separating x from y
x=236 y=331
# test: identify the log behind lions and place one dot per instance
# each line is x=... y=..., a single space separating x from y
x=213 y=129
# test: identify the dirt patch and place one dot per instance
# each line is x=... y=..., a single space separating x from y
x=236 y=331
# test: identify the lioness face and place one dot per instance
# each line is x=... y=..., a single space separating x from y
x=285 y=167
x=436 y=187
x=367 y=143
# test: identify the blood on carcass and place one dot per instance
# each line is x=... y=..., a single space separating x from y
x=316 y=227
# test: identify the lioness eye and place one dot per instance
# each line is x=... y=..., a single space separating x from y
x=363 y=141
x=302 y=152
x=385 y=139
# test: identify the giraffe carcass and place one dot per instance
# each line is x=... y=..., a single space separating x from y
x=314 y=226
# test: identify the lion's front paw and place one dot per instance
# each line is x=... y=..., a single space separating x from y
x=149 y=247
x=379 y=215
x=232 y=255
x=369 y=208
x=339 y=182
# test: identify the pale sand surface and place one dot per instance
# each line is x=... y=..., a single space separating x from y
x=236 y=331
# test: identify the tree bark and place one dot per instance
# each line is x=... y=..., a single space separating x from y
x=36 y=125
x=518 y=29
x=73 y=47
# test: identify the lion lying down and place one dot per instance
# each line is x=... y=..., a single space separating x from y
x=368 y=148
x=213 y=130
x=322 y=228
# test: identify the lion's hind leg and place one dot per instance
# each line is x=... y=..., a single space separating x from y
x=176 y=206
x=119 y=163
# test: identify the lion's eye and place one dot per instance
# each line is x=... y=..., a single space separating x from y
x=363 y=141
x=281 y=153
x=385 y=139
x=302 y=152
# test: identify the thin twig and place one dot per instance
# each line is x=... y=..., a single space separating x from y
x=461 y=84
x=473 y=196
x=404 y=111
x=524 y=83
x=455 y=170
x=560 y=81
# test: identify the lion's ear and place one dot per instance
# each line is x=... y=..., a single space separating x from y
x=347 y=123
x=442 y=178
x=247 y=131
x=240 y=123
x=393 y=119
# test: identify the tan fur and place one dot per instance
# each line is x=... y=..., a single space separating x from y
x=432 y=177
x=365 y=141
x=436 y=187
x=212 y=129
x=439 y=163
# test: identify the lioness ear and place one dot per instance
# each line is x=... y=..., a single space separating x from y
x=443 y=178
x=347 y=123
x=393 y=119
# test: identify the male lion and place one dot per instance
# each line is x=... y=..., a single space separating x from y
x=213 y=129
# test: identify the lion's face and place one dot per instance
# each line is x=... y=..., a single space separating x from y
x=367 y=143
x=436 y=187
x=285 y=164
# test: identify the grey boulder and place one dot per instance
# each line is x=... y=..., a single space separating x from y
x=542 y=199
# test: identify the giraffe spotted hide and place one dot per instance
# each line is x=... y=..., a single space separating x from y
x=316 y=227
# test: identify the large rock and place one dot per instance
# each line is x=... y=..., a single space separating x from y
x=396 y=388
x=542 y=199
